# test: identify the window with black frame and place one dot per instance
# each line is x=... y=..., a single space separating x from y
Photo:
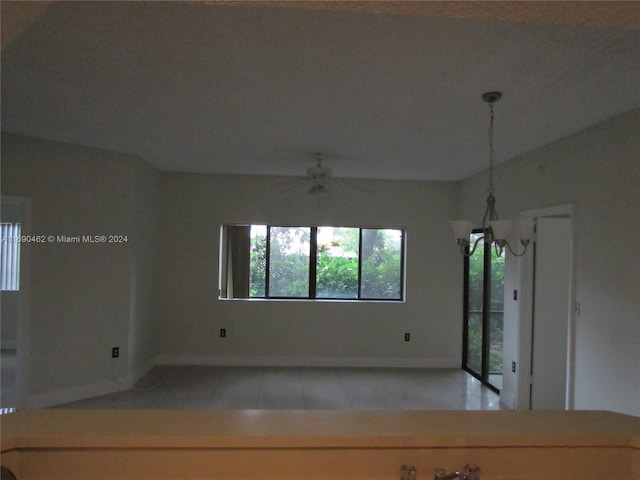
x=312 y=262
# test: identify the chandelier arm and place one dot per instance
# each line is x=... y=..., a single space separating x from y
x=514 y=253
x=475 y=246
x=464 y=246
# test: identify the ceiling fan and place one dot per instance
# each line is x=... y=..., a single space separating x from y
x=318 y=176
x=320 y=183
x=315 y=182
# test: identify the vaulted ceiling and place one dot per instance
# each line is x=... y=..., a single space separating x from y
x=383 y=89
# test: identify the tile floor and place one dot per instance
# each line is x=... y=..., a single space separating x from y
x=238 y=388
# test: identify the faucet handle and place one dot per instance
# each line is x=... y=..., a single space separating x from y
x=469 y=472
x=408 y=472
x=472 y=471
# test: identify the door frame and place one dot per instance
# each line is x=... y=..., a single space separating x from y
x=525 y=284
x=22 y=335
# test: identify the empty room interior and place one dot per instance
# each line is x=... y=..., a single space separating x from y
x=246 y=205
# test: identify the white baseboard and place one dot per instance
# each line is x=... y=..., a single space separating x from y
x=8 y=344
x=137 y=373
x=80 y=392
x=117 y=384
x=246 y=361
x=75 y=393
x=507 y=399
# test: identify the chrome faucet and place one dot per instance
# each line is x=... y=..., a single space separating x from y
x=469 y=472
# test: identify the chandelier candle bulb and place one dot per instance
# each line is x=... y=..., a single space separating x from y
x=461 y=229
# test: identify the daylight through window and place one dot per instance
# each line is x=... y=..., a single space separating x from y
x=10 y=257
x=293 y=262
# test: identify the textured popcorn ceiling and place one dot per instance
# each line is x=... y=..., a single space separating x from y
x=384 y=89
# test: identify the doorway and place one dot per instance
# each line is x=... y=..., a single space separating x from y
x=550 y=321
x=545 y=378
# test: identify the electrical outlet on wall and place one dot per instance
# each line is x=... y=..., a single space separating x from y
x=115 y=352
x=407 y=337
x=223 y=332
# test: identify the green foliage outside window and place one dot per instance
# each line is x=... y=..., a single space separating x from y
x=475 y=307
x=258 y=266
x=337 y=277
x=289 y=261
x=337 y=263
x=380 y=264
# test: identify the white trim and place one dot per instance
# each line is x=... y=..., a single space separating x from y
x=565 y=210
x=9 y=344
x=134 y=375
x=525 y=308
x=118 y=384
x=508 y=399
x=79 y=392
x=245 y=361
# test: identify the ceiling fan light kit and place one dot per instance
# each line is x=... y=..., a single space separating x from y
x=317 y=175
x=494 y=230
x=319 y=190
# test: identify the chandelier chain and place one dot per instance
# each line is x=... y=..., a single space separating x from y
x=490 y=135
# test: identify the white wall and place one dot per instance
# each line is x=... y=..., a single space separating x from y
x=80 y=293
x=301 y=333
x=596 y=170
x=87 y=298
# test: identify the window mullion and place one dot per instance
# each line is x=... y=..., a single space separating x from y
x=267 y=269
x=359 y=264
x=486 y=309
x=403 y=246
x=313 y=262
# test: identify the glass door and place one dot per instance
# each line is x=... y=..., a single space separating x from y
x=483 y=314
x=473 y=309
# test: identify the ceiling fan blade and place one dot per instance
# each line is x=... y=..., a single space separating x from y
x=346 y=183
x=297 y=186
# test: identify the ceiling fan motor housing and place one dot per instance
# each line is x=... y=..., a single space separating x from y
x=318 y=172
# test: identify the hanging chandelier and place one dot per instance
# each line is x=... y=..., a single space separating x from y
x=494 y=230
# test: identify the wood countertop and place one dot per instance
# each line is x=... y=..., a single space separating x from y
x=299 y=429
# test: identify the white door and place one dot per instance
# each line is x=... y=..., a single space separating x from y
x=551 y=300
